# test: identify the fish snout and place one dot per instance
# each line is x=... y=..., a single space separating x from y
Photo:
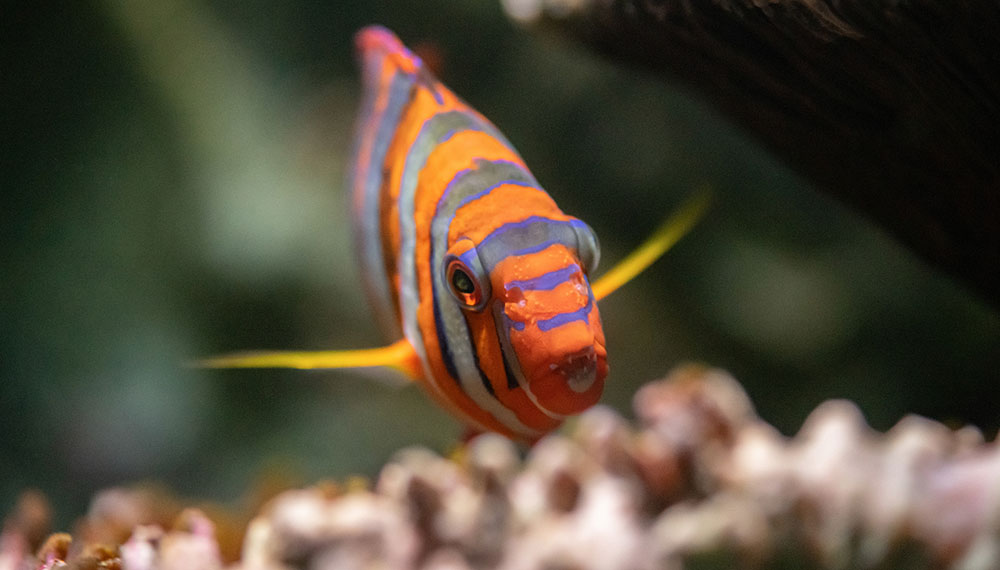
x=571 y=382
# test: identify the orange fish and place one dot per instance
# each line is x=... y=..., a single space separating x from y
x=468 y=261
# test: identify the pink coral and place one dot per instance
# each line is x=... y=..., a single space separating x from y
x=702 y=479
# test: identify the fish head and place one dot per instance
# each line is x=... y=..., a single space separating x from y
x=546 y=318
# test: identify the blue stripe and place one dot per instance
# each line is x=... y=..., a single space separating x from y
x=482 y=193
x=455 y=336
x=455 y=181
x=470 y=177
x=545 y=282
x=490 y=260
x=526 y=224
x=447 y=136
x=530 y=235
x=442 y=335
x=458 y=180
x=467 y=256
x=512 y=324
x=511 y=369
x=580 y=314
x=533 y=249
x=438 y=97
x=431 y=131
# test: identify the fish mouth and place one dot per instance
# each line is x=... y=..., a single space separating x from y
x=564 y=383
x=579 y=369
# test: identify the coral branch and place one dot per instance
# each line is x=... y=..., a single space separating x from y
x=702 y=482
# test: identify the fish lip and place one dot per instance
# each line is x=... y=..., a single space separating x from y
x=603 y=352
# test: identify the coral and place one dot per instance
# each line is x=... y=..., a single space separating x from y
x=702 y=482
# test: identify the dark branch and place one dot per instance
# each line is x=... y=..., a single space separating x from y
x=892 y=107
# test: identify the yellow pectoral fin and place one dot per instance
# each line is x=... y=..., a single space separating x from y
x=398 y=355
x=670 y=232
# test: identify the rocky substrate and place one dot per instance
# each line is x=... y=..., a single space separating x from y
x=700 y=482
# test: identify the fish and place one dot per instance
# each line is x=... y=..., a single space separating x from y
x=481 y=280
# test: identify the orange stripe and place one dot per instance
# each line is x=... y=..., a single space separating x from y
x=422 y=107
x=447 y=160
x=533 y=305
x=529 y=266
x=506 y=204
x=491 y=362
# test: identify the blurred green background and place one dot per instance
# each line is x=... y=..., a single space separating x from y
x=172 y=178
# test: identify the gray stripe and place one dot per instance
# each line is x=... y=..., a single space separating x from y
x=457 y=340
x=367 y=226
x=434 y=130
x=514 y=363
x=456 y=343
x=531 y=235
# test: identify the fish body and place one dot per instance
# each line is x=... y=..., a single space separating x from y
x=466 y=257
x=472 y=270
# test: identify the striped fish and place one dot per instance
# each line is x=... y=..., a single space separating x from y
x=468 y=261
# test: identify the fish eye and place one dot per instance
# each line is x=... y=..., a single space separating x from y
x=464 y=276
x=461 y=282
x=465 y=285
